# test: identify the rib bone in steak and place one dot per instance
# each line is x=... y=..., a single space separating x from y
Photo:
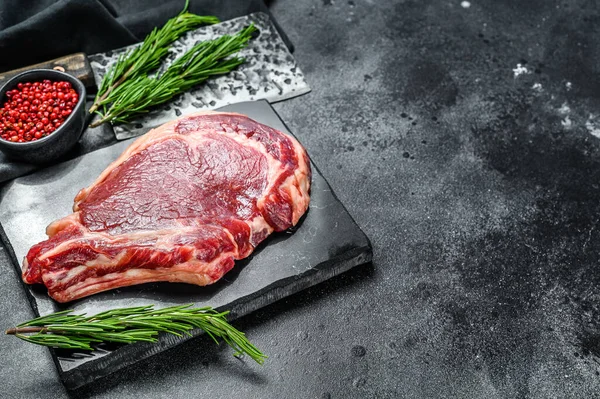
x=180 y=204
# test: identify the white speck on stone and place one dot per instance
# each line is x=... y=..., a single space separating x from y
x=520 y=70
x=567 y=123
x=564 y=109
x=537 y=87
x=591 y=127
x=569 y=86
x=465 y=4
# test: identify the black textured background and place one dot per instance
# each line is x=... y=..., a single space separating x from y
x=479 y=190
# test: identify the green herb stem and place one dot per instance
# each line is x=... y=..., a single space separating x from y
x=148 y=56
x=209 y=58
x=128 y=325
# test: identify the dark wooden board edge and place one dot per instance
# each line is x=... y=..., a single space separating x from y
x=76 y=64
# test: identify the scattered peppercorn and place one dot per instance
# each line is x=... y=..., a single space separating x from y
x=36 y=109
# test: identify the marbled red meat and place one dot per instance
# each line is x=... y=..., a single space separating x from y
x=180 y=204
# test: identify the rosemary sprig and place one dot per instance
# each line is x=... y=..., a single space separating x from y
x=127 y=325
x=150 y=53
x=213 y=57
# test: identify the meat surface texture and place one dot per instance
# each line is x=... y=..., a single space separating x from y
x=180 y=204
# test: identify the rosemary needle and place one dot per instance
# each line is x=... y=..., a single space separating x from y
x=128 y=325
x=150 y=53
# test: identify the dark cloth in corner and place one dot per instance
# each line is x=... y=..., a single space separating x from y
x=34 y=31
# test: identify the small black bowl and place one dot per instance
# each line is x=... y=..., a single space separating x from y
x=60 y=141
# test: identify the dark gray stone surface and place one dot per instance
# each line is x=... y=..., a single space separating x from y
x=485 y=279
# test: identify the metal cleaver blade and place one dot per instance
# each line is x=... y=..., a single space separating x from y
x=269 y=73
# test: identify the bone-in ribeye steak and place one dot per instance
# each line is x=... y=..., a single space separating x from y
x=180 y=204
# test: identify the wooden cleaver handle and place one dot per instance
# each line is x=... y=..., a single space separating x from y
x=74 y=64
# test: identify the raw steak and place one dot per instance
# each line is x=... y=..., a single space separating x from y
x=180 y=204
